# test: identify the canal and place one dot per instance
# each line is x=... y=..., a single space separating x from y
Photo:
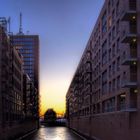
x=53 y=133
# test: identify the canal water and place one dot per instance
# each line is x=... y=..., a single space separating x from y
x=53 y=133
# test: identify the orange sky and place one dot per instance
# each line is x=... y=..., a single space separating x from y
x=53 y=95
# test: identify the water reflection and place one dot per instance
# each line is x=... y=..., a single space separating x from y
x=53 y=133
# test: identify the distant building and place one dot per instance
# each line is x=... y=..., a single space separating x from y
x=103 y=100
x=28 y=47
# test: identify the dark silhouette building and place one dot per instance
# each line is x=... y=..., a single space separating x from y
x=11 y=80
x=11 y=93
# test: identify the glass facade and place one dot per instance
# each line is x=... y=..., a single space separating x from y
x=28 y=47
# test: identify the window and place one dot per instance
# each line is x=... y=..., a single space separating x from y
x=98 y=108
x=109 y=38
x=118 y=63
x=117 y=8
x=99 y=55
x=104 y=23
x=109 y=105
x=112 y=1
x=98 y=29
x=113 y=15
x=104 y=82
x=113 y=33
x=104 y=76
x=104 y=58
x=118 y=45
x=104 y=53
x=114 y=85
x=110 y=87
x=104 y=88
x=99 y=80
x=132 y=4
x=28 y=62
x=124 y=78
x=109 y=6
x=124 y=55
x=110 y=71
x=113 y=50
x=113 y=67
x=112 y=104
x=28 y=55
x=118 y=82
x=109 y=54
x=122 y=102
x=117 y=26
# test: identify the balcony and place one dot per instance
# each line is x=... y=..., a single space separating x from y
x=88 y=89
x=129 y=36
x=129 y=59
x=129 y=10
x=129 y=82
x=89 y=56
x=88 y=78
x=130 y=108
x=123 y=107
x=88 y=67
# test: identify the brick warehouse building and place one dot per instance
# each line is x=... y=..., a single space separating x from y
x=10 y=81
x=103 y=100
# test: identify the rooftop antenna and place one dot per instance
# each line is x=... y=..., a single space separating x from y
x=20 y=25
x=9 y=23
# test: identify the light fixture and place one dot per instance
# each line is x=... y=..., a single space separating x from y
x=135 y=91
x=134 y=17
x=134 y=63
x=134 y=39
x=122 y=95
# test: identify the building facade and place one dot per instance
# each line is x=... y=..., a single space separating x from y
x=11 y=81
x=11 y=93
x=103 y=100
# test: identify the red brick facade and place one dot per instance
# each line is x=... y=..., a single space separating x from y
x=103 y=100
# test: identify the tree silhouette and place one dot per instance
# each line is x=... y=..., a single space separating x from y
x=50 y=116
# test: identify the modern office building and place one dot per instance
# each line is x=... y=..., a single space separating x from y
x=103 y=100
x=28 y=47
